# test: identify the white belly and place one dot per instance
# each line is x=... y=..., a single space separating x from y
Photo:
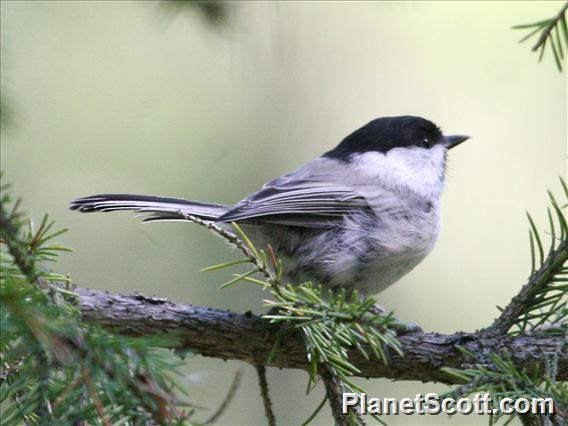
x=365 y=254
x=399 y=245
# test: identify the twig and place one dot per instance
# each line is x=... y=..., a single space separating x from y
x=546 y=32
x=334 y=392
x=93 y=393
x=261 y=372
x=552 y=264
x=67 y=391
x=232 y=238
x=10 y=232
x=227 y=401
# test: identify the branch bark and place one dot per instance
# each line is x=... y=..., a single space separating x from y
x=249 y=338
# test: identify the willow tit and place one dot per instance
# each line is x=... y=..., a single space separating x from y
x=361 y=216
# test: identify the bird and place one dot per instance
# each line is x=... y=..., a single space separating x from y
x=359 y=217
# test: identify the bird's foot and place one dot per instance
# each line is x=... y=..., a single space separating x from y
x=400 y=327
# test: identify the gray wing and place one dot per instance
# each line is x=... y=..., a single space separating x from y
x=298 y=200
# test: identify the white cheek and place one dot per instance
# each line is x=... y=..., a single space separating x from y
x=416 y=169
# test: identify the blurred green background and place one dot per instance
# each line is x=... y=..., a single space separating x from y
x=132 y=97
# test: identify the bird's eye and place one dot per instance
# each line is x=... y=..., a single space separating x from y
x=426 y=143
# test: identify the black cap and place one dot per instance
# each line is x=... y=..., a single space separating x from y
x=386 y=133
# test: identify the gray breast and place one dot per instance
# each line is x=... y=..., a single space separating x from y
x=365 y=252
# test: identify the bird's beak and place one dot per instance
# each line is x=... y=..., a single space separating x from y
x=455 y=140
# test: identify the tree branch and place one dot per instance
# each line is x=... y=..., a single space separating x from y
x=555 y=260
x=249 y=338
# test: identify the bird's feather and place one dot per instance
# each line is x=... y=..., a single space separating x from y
x=296 y=200
x=160 y=208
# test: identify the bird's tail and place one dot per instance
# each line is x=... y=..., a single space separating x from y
x=158 y=208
